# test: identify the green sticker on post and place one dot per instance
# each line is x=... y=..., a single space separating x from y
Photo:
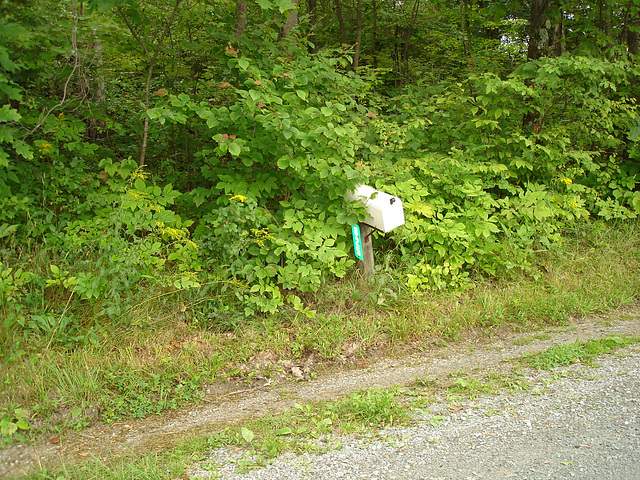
x=357 y=241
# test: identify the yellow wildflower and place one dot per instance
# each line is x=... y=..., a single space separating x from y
x=139 y=173
x=566 y=180
x=135 y=195
x=242 y=198
x=260 y=235
x=45 y=147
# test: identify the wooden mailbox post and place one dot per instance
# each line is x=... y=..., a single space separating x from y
x=384 y=212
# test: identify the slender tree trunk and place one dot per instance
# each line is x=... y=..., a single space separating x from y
x=407 y=34
x=632 y=42
x=152 y=59
x=631 y=24
x=605 y=23
x=241 y=18
x=342 y=31
x=291 y=22
x=396 y=59
x=558 y=39
x=374 y=33
x=312 y=6
x=463 y=25
x=356 y=53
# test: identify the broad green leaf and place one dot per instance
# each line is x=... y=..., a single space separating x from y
x=23 y=149
x=285 y=5
x=235 y=149
x=8 y=114
x=283 y=162
x=139 y=184
x=247 y=434
x=243 y=63
x=302 y=94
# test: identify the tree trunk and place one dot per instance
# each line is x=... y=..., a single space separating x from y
x=558 y=39
x=291 y=22
x=406 y=38
x=631 y=24
x=152 y=59
x=342 y=31
x=374 y=32
x=632 y=42
x=356 y=54
x=396 y=59
x=312 y=6
x=538 y=31
x=538 y=47
x=241 y=18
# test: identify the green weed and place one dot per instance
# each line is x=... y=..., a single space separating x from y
x=147 y=467
x=583 y=352
x=531 y=339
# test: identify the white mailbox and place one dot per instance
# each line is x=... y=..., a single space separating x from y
x=385 y=211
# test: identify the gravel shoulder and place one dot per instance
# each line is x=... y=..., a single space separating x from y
x=475 y=352
x=584 y=424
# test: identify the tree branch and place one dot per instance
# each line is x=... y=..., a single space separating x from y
x=76 y=62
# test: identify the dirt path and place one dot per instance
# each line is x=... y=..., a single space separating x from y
x=159 y=433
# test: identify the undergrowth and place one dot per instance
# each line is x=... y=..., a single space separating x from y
x=168 y=353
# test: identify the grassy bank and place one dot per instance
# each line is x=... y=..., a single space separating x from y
x=165 y=358
x=321 y=426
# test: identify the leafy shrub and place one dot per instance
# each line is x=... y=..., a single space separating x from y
x=482 y=189
x=130 y=245
x=282 y=155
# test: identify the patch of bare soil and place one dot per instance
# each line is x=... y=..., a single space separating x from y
x=233 y=402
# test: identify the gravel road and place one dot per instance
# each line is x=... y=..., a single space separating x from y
x=577 y=422
x=583 y=424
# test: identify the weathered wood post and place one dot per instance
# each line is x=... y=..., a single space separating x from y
x=367 y=264
x=384 y=212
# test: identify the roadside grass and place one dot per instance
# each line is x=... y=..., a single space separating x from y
x=322 y=426
x=145 y=467
x=170 y=353
x=583 y=352
x=306 y=428
x=531 y=339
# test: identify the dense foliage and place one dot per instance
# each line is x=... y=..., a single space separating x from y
x=197 y=153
